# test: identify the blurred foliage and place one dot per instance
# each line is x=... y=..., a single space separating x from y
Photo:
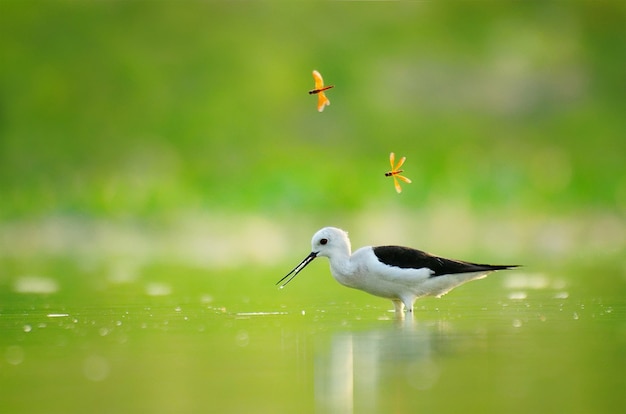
x=141 y=108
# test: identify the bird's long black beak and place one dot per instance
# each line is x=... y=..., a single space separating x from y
x=297 y=269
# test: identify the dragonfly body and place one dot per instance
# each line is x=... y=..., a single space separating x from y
x=325 y=88
x=390 y=173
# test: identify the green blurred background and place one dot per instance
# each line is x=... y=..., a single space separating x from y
x=179 y=115
x=183 y=131
x=118 y=109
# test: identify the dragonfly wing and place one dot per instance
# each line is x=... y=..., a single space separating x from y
x=403 y=178
x=392 y=159
x=319 y=81
x=397 y=184
x=400 y=163
x=322 y=101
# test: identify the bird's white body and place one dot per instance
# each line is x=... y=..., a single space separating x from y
x=363 y=271
x=396 y=273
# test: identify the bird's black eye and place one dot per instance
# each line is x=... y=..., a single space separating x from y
x=323 y=241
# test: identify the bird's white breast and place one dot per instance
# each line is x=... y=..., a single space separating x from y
x=365 y=272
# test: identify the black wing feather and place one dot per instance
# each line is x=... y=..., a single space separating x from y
x=408 y=258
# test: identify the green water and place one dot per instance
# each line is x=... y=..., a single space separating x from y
x=514 y=343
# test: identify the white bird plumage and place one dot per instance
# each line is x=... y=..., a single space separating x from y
x=401 y=274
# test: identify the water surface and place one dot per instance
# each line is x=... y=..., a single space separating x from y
x=514 y=343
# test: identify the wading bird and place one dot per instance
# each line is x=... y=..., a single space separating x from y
x=401 y=274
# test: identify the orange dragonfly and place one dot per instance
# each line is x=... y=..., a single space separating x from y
x=322 y=100
x=395 y=172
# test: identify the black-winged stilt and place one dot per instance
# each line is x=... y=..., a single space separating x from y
x=401 y=274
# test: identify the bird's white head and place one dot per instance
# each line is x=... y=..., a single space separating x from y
x=330 y=241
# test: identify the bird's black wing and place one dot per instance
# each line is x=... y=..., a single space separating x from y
x=408 y=258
